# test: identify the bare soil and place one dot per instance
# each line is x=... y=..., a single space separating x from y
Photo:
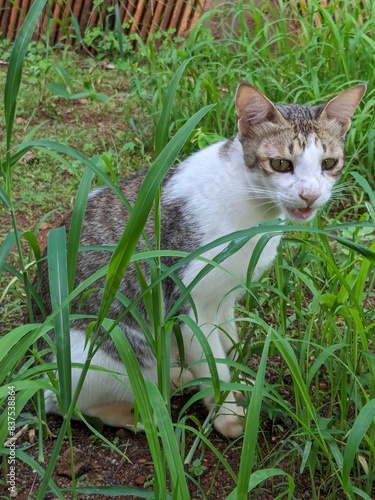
x=97 y=465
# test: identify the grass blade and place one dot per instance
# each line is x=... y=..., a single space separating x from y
x=145 y=408
x=4 y=199
x=262 y=475
x=14 y=345
x=76 y=224
x=170 y=445
x=365 y=186
x=361 y=425
x=251 y=431
x=59 y=291
x=113 y=491
x=207 y=351
x=5 y=249
x=16 y=60
x=162 y=129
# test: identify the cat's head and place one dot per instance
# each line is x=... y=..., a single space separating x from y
x=293 y=153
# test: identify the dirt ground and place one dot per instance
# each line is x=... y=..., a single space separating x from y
x=97 y=465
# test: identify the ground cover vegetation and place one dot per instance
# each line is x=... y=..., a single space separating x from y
x=73 y=120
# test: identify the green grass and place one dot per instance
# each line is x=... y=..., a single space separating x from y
x=314 y=313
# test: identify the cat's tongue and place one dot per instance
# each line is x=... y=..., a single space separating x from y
x=300 y=213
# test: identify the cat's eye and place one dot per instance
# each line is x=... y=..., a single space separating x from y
x=281 y=165
x=329 y=163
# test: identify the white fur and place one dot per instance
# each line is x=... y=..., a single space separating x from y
x=308 y=179
x=306 y=186
x=96 y=191
x=99 y=388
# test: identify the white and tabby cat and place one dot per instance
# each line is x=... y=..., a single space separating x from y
x=283 y=163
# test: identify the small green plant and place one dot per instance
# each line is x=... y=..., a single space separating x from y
x=197 y=468
x=66 y=90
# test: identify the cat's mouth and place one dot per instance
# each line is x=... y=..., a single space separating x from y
x=301 y=213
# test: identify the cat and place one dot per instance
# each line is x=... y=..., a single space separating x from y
x=283 y=163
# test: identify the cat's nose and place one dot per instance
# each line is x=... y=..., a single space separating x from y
x=309 y=196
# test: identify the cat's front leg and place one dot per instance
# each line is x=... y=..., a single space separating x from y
x=229 y=418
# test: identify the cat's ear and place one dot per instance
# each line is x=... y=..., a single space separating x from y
x=342 y=107
x=253 y=108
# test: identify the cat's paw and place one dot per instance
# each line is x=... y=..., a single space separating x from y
x=117 y=414
x=180 y=377
x=230 y=421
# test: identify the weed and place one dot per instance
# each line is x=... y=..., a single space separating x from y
x=197 y=468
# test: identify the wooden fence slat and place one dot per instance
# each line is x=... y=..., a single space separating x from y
x=164 y=25
x=13 y=21
x=158 y=15
x=176 y=13
x=137 y=16
x=54 y=26
x=130 y=8
x=198 y=10
x=183 y=22
x=5 y=9
x=85 y=16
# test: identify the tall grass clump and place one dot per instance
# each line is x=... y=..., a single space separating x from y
x=309 y=324
x=294 y=51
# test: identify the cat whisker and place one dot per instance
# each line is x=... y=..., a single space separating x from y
x=268 y=210
x=264 y=204
x=264 y=193
x=256 y=189
x=263 y=198
x=258 y=201
x=341 y=191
